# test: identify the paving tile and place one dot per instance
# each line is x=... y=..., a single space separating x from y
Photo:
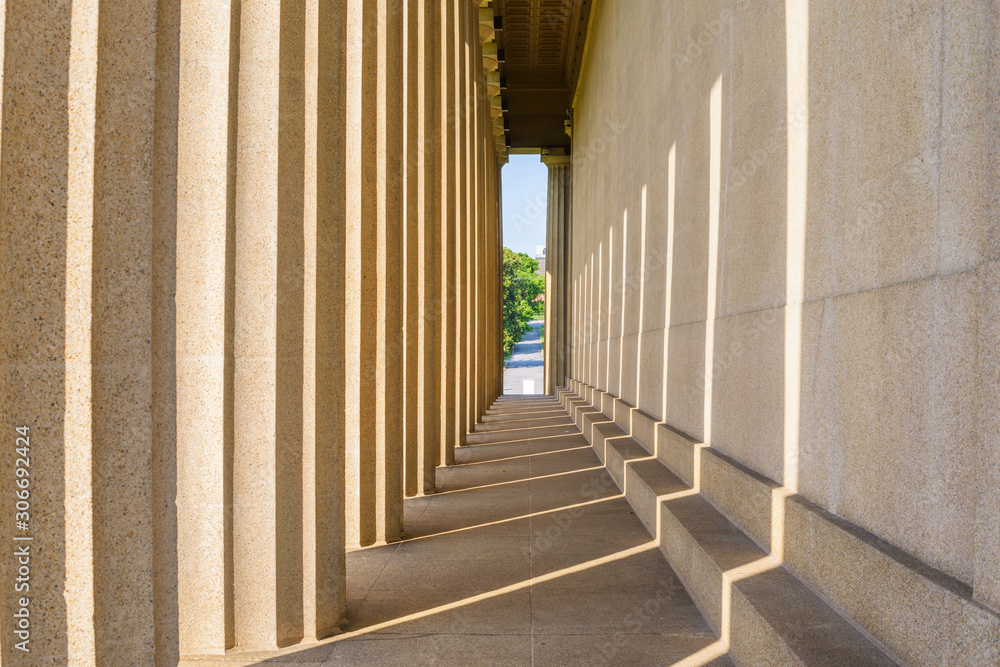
x=444 y=650
x=462 y=545
x=417 y=574
x=568 y=552
x=607 y=609
x=599 y=650
x=445 y=612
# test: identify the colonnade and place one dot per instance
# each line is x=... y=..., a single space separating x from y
x=251 y=257
x=557 y=267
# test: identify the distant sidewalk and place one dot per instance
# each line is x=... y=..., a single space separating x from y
x=525 y=372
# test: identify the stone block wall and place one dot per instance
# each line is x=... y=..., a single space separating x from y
x=785 y=240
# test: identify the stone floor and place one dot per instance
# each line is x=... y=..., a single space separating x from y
x=527 y=555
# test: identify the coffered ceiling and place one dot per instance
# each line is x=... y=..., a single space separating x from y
x=542 y=42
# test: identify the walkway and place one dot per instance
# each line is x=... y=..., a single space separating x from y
x=525 y=372
x=527 y=555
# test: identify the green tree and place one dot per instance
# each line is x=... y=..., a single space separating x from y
x=523 y=296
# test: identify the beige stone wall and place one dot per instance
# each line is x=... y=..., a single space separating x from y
x=801 y=198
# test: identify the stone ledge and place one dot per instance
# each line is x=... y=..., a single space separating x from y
x=919 y=613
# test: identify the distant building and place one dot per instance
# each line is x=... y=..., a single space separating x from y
x=540 y=256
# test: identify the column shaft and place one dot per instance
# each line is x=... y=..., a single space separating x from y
x=78 y=113
x=267 y=468
x=414 y=214
x=550 y=261
x=557 y=271
x=324 y=567
x=475 y=157
x=203 y=415
x=388 y=390
x=366 y=132
x=430 y=251
x=461 y=179
x=449 y=273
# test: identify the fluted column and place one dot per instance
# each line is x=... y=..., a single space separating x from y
x=269 y=315
x=556 y=268
x=449 y=221
x=414 y=214
x=374 y=288
x=475 y=166
x=204 y=231
x=389 y=371
x=76 y=200
x=324 y=577
x=429 y=369
x=462 y=118
x=462 y=313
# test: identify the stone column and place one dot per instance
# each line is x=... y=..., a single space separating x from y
x=413 y=86
x=485 y=272
x=430 y=249
x=202 y=236
x=324 y=576
x=374 y=324
x=463 y=74
x=566 y=271
x=489 y=288
x=449 y=183
x=361 y=410
x=475 y=164
x=497 y=282
x=557 y=270
x=461 y=178
x=388 y=390
x=482 y=308
x=269 y=316
x=76 y=292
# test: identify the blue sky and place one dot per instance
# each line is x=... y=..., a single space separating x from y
x=525 y=186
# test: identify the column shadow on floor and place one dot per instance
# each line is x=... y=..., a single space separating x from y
x=527 y=554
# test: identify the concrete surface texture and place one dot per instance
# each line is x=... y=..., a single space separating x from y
x=528 y=554
x=784 y=246
x=525 y=370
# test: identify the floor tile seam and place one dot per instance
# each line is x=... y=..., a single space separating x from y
x=387 y=635
x=371 y=587
x=461 y=594
x=585 y=590
x=671 y=634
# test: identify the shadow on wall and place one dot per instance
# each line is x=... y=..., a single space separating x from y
x=637 y=275
x=667 y=248
x=862 y=397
